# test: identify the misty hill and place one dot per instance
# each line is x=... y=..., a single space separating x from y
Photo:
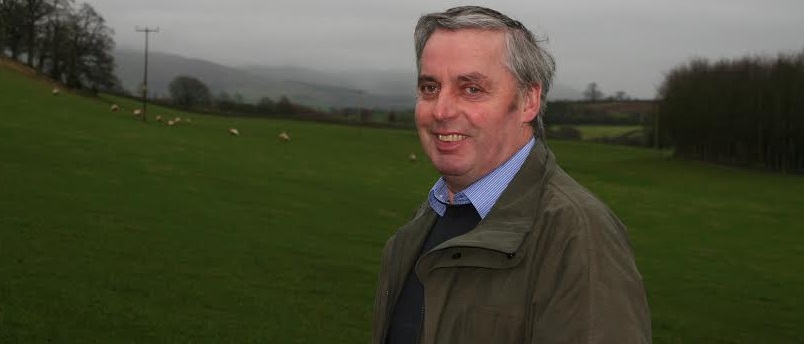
x=298 y=84
x=369 y=88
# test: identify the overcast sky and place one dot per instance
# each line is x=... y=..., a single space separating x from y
x=620 y=44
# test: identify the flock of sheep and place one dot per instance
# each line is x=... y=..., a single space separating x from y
x=138 y=113
x=283 y=136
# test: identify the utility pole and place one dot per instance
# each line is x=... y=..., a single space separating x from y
x=147 y=32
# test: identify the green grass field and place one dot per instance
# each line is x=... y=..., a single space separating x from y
x=114 y=230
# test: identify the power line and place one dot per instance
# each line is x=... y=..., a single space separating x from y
x=147 y=32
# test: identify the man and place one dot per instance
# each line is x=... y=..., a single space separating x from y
x=507 y=248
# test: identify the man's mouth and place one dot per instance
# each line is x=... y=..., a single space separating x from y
x=451 y=137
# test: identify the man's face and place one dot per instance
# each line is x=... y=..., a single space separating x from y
x=468 y=115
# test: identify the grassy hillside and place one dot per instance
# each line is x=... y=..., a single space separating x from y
x=114 y=230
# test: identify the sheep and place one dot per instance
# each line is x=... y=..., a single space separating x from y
x=284 y=137
x=137 y=112
x=234 y=132
x=171 y=123
x=177 y=119
x=412 y=157
x=188 y=120
x=159 y=118
x=115 y=108
x=56 y=91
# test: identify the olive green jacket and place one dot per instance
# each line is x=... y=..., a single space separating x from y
x=549 y=264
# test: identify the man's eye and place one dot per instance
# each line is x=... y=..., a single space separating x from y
x=472 y=90
x=428 y=89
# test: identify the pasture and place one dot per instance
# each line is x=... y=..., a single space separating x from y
x=114 y=230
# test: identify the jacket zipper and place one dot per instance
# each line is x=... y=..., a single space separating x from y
x=421 y=326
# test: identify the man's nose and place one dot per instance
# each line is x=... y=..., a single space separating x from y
x=445 y=107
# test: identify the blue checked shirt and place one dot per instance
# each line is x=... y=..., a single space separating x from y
x=484 y=192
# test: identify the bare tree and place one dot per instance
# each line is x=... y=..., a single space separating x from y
x=34 y=11
x=89 y=60
x=54 y=32
x=592 y=93
x=11 y=27
x=620 y=95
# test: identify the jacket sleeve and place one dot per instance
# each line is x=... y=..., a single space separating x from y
x=595 y=293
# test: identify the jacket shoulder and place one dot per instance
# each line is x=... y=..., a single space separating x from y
x=577 y=211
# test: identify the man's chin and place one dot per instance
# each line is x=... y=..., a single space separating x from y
x=451 y=170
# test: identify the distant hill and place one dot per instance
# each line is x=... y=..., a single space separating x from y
x=370 y=88
x=299 y=84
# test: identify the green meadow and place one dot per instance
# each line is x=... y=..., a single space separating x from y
x=115 y=230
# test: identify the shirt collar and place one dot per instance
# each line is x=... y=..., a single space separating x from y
x=483 y=193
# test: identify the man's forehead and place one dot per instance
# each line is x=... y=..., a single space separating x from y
x=465 y=55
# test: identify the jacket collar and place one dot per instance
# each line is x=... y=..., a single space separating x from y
x=511 y=218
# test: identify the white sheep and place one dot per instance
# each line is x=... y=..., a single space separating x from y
x=115 y=108
x=171 y=123
x=284 y=136
x=234 y=132
x=177 y=119
x=137 y=112
x=56 y=91
x=159 y=118
x=412 y=157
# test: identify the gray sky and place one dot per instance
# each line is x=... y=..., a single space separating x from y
x=620 y=44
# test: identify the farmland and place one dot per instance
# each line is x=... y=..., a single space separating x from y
x=117 y=230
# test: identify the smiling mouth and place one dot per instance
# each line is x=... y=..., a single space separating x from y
x=451 y=137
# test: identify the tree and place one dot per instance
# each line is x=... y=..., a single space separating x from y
x=34 y=11
x=187 y=91
x=53 y=52
x=592 y=93
x=746 y=111
x=11 y=27
x=284 y=106
x=620 y=95
x=72 y=45
x=89 y=60
x=266 y=105
x=224 y=102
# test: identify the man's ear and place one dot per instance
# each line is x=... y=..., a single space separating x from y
x=531 y=103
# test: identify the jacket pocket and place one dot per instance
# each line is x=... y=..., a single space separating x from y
x=468 y=324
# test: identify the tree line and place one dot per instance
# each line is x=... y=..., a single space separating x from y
x=188 y=92
x=70 y=44
x=599 y=112
x=747 y=111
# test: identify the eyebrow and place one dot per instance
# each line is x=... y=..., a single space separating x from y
x=473 y=77
x=426 y=78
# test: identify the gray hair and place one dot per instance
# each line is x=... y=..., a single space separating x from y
x=525 y=58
